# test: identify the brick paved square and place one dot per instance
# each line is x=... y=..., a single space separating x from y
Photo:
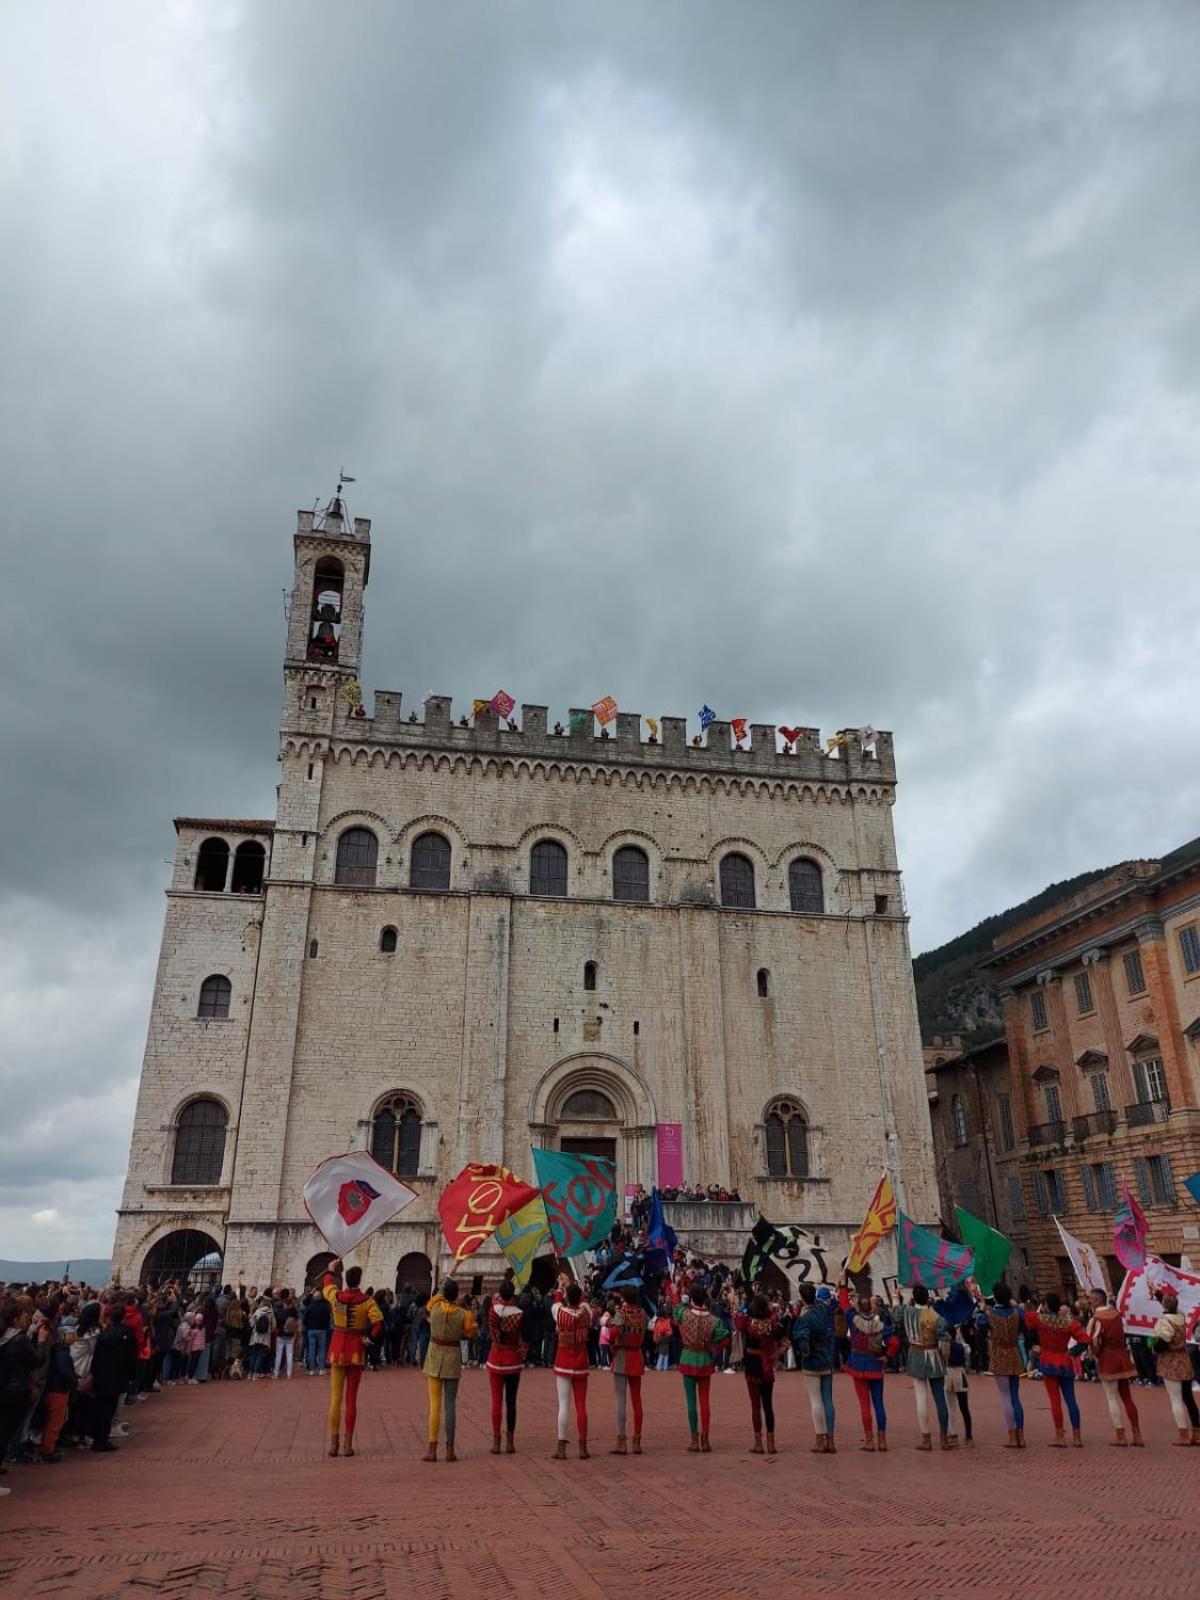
x=226 y=1490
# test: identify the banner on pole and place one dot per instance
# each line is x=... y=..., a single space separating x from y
x=351 y=1195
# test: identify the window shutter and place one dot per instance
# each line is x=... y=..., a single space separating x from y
x=1141 y=1087
x=1143 y=1180
x=1089 y=1189
x=1039 y=1189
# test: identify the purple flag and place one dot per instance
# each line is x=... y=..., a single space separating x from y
x=1129 y=1233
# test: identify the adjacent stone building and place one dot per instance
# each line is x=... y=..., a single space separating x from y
x=1101 y=996
x=463 y=936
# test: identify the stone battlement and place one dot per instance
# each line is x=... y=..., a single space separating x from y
x=626 y=741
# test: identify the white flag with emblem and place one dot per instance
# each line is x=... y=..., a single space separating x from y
x=1089 y=1269
x=349 y=1196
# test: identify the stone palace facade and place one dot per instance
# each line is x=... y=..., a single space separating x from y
x=460 y=938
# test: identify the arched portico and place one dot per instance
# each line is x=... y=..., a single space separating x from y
x=597 y=1103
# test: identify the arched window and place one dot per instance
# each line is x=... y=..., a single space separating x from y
x=806 y=886
x=764 y=984
x=589 y=975
x=199 y=1143
x=396 y=1135
x=357 y=854
x=588 y=1103
x=212 y=865
x=430 y=867
x=631 y=874
x=249 y=862
x=387 y=941
x=325 y=627
x=787 y=1140
x=958 y=1115
x=215 y=994
x=548 y=868
x=737 y=881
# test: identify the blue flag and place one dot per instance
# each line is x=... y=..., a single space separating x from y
x=707 y=717
x=956 y=1308
x=1192 y=1185
x=661 y=1239
x=627 y=1274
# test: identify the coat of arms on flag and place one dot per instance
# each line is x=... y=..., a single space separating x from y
x=351 y=1195
x=605 y=710
x=502 y=704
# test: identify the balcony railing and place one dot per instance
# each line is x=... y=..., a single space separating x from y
x=1048 y=1133
x=1094 y=1122
x=1145 y=1112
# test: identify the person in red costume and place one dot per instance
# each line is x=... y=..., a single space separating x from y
x=573 y=1322
x=356 y=1318
x=505 y=1362
x=1054 y=1331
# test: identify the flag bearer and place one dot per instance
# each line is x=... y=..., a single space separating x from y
x=627 y=1340
x=701 y=1332
x=925 y=1330
x=449 y=1325
x=356 y=1318
x=505 y=1361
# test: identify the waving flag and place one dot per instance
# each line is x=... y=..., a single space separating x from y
x=790 y=735
x=707 y=717
x=580 y=1196
x=926 y=1258
x=797 y=1252
x=1086 y=1263
x=524 y=1237
x=876 y=1225
x=1129 y=1233
x=473 y=1205
x=349 y=1196
x=652 y=724
x=629 y=1273
x=661 y=1238
x=605 y=710
x=991 y=1249
x=1138 y=1300
x=738 y=724
x=502 y=703
x=1192 y=1185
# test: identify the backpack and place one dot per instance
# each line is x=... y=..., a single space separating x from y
x=262 y=1322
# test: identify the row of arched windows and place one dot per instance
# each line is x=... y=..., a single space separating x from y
x=358 y=856
x=395 y=1139
x=212 y=867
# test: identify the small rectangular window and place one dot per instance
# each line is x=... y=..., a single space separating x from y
x=1083 y=993
x=1037 y=1009
x=1189 y=948
x=1142 y=1172
x=556 y=1024
x=637 y=1028
x=881 y=905
x=1041 y=1192
x=1058 y=1193
x=1106 y=1183
x=1162 y=1183
x=1135 y=978
x=310 y=770
x=1008 y=1136
x=1016 y=1200
x=1089 y=1187
x=1053 y=1103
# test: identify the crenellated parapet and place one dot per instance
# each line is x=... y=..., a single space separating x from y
x=764 y=753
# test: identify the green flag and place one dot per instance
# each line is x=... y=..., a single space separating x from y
x=923 y=1257
x=580 y=1196
x=992 y=1249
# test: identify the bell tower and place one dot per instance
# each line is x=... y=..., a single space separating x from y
x=325 y=621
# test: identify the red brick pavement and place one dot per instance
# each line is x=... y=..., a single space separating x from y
x=226 y=1491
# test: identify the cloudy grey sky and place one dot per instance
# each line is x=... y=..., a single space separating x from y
x=829 y=363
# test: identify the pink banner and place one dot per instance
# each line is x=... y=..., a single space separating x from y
x=670 y=1155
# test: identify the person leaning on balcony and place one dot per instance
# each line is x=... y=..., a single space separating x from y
x=1106 y=1331
x=1175 y=1368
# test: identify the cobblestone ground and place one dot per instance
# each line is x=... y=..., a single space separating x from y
x=226 y=1491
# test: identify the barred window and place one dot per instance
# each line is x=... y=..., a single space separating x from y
x=548 y=868
x=1037 y=1010
x=631 y=874
x=215 y=995
x=958 y=1114
x=1083 y=993
x=737 y=881
x=357 y=853
x=806 y=887
x=1135 y=978
x=1189 y=948
x=787 y=1140
x=199 y=1143
x=396 y=1135
x=430 y=866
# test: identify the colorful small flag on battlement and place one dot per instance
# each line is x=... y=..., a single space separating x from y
x=707 y=717
x=605 y=710
x=501 y=703
x=738 y=724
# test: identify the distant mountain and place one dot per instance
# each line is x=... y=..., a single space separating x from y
x=954 y=995
x=84 y=1269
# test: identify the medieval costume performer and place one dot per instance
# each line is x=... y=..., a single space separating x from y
x=449 y=1325
x=925 y=1330
x=759 y=1330
x=505 y=1361
x=1115 y=1367
x=1005 y=1326
x=627 y=1342
x=701 y=1332
x=1175 y=1369
x=869 y=1334
x=813 y=1342
x=356 y=1318
x=573 y=1323
x=1053 y=1331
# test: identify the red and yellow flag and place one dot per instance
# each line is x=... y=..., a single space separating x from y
x=879 y=1220
x=473 y=1205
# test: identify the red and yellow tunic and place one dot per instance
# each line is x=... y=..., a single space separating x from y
x=355 y=1318
x=574 y=1324
x=506 y=1353
x=1108 y=1344
x=627 y=1339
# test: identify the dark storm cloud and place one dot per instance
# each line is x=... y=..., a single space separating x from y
x=823 y=363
